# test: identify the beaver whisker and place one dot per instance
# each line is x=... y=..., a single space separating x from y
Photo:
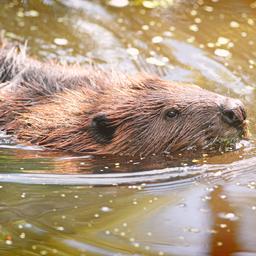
x=210 y=142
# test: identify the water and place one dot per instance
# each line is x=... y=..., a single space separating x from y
x=60 y=204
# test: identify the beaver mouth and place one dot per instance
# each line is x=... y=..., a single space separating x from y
x=241 y=131
x=229 y=138
x=213 y=136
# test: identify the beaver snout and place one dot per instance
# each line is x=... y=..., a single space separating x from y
x=233 y=112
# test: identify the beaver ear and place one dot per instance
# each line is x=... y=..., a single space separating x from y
x=102 y=129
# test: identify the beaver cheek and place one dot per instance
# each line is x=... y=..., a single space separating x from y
x=101 y=129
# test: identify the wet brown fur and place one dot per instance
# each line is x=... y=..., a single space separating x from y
x=88 y=110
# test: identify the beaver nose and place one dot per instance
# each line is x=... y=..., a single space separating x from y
x=233 y=112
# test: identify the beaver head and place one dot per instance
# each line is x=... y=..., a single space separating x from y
x=139 y=116
x=156 y=116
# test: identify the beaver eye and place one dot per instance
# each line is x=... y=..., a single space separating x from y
x=171 y=113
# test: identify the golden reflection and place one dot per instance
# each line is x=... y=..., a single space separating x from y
x=225 y=238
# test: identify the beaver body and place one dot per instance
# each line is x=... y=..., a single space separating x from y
x=88 y=110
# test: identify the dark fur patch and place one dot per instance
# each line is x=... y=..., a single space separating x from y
x=102 y=129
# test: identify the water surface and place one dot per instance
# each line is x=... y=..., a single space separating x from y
x=59 y=204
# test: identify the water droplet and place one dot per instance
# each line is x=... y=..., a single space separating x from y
x=191 y=39
x=228 y=216
x=60 y=228
x=22 y=235
x=149 y=4
x=61 y=41
x=8 y=242
x=243 y=34
x=193 y=13
x=223 y=40
x=107 y=232
x=234 y=24
x=210 y=45
x=198 y=20
x=222 y=53
x=136 y=245
x=32 y=13
x=250 y=22
x=157 y=39
x=118 y=3
x=23 y=195
x=105 y=209
x=145 y=27
x=208 y=8
x=222 y=225
x=194 y=28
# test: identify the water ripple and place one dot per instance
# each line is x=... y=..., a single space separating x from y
x=174 y=175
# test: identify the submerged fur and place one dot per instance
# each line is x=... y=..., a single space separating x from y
x=88 y=110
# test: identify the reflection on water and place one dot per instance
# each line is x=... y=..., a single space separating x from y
x=59 y=204
x=189 y=219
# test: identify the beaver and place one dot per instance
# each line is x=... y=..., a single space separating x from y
x=95 y=111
